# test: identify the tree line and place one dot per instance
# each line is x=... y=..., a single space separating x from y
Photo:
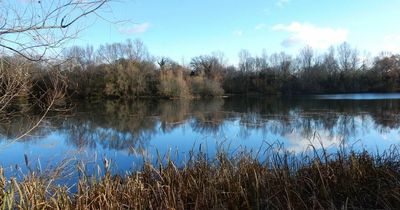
x=127 y=70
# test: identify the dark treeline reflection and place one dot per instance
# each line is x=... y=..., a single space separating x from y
x=122 y=125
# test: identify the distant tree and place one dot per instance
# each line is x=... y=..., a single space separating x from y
x=306 y=58
x=81 y=57
x=220 y=56
x=168 y=64
x=130 y=50
x=207 y=65
x=261 y=62
x=136 y=50
x=173 y=84
x=348 y=57
x=282 y=62
x=162 y=63
x=110 y=53
x=246 y=61
x=387 y=70
x=329 y=62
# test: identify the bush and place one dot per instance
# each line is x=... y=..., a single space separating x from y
x=173 y=85
x=205 y=87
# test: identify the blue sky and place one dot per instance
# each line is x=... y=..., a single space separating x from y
x=181 y=29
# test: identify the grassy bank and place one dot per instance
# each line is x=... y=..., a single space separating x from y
x=282 y=181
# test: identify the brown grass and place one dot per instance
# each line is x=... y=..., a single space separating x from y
x=272 y=179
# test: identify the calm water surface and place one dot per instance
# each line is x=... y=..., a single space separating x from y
x=117 y=130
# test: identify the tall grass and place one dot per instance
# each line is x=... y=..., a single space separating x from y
x=268 y=179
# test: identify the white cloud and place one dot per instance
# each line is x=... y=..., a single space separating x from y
x=391 y=43
x=323 y=139
x=238 y=33
x=136 y=29
x=282 y=3
x=260 y=26
x=308 y=34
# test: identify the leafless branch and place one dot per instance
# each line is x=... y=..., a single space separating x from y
x=28 y=31
x=30 y=28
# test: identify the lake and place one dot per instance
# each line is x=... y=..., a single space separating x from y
x=120 y=130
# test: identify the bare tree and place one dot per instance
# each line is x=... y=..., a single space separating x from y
x=261 y=62
x=220 y=56
x=281 y=62
x=348 y=57
x=32 y=28
x=131 y=50
x=207 y=65
x=136 y=50
x=109 y=53
x=329 y=61
x=245 y=60
x=30 y=31
x=14 y=81
x=306 y=58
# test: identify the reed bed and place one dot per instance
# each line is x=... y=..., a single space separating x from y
x=269 y=179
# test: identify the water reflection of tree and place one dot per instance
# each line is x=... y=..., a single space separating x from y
x=208 y=116
x=13 y=127
x=172 y=114
x=121 y=125
x=387 y=114
x=112 y=125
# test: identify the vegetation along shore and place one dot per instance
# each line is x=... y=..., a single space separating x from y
x=270 y=178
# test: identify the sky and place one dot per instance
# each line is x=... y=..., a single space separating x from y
x=182 y=29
